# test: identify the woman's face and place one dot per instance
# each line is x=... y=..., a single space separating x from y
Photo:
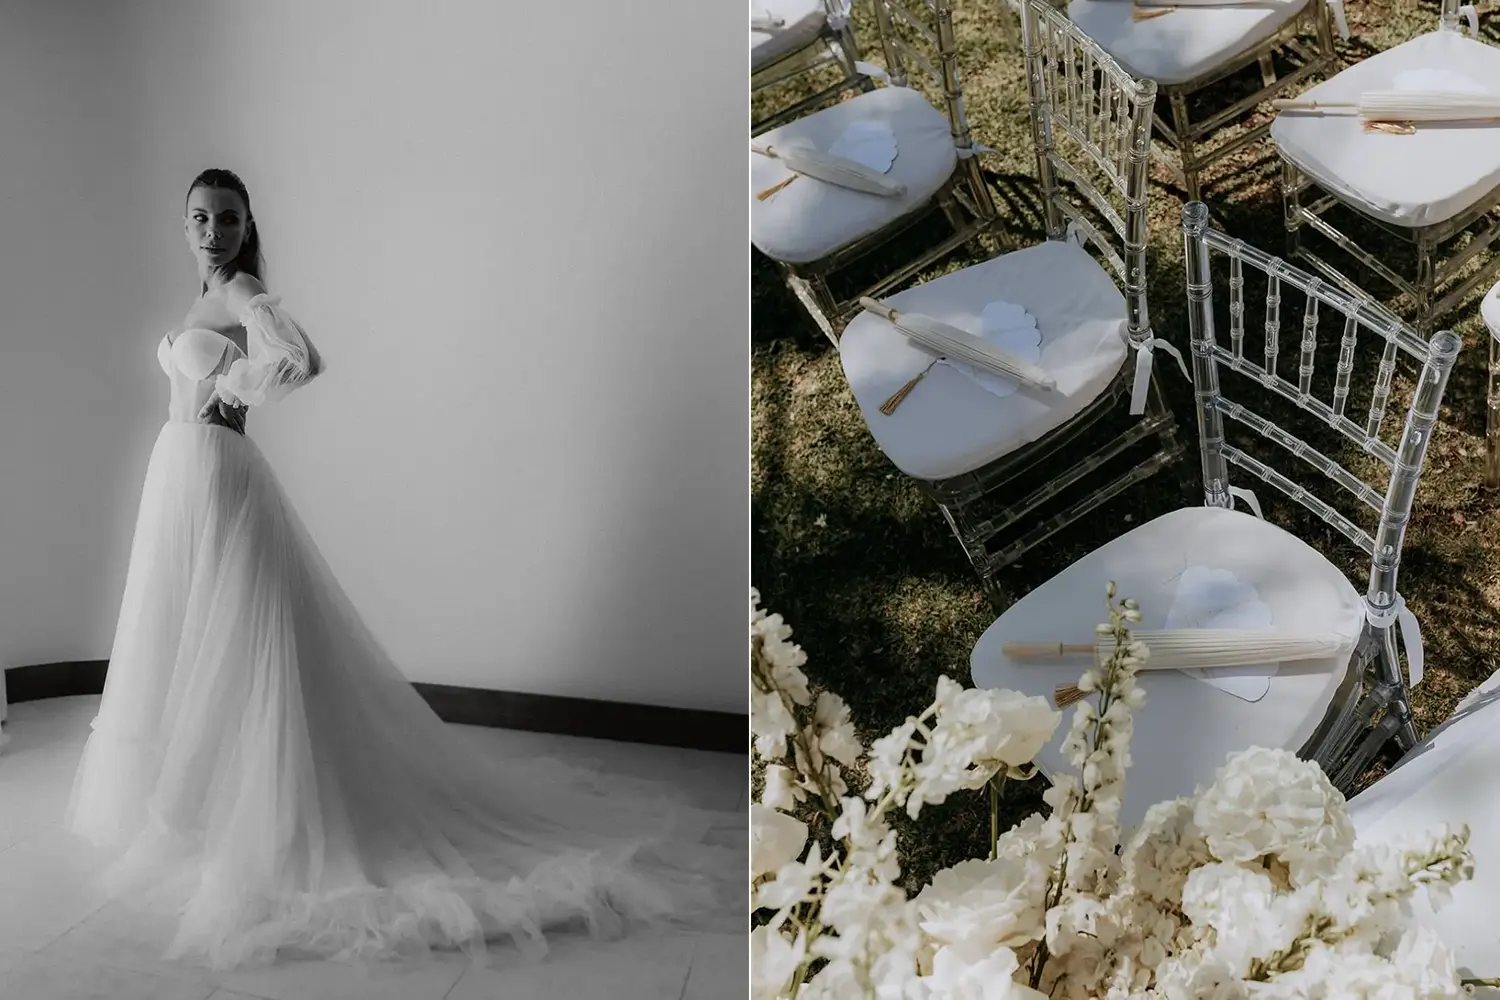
x=215 y=225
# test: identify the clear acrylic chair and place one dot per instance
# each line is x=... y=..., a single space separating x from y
x=1068 y=451
x=1214 y=566
x=1188 y=50
x=811 y=229
x=1427 y=189
x=795 y=38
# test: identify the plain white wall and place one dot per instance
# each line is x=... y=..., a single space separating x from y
x=515 y=234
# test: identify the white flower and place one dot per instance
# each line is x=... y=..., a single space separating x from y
x=981 y=974
x=1011 y=728
x=1163 y=850
x=834 y=730
x=1425 y=964
x=1269 y=802
x=872 y=843
x=984 y=905
x=795 y=882
x=1250 y=919
x=781 y=790
x=773 y=960
x=887 y=760
x=770 y=723
x=775 y=839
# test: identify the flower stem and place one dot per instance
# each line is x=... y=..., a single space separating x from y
x=995 y=815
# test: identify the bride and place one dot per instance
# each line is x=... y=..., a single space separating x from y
x=261 y=769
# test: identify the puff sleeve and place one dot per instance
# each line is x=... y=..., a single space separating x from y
x=281 y=357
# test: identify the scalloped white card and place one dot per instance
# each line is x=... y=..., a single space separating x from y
x=1216 y=598
x=1013 y=330
x=871 y=144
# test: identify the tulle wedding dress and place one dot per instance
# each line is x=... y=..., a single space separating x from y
x=260 y=768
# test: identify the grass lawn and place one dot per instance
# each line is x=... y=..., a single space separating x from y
x=864 y=568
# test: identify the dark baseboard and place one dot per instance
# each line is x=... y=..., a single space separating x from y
x=695 y=729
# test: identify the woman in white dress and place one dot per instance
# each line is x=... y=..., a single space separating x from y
x=262 y=769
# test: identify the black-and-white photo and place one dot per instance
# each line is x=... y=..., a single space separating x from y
x=373 y=546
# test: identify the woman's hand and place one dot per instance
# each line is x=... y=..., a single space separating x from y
x=218 y=411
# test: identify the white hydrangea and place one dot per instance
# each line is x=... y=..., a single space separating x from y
x=1267 y=802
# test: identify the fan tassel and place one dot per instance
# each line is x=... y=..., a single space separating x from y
x=1066 y=694
x=762 y=196
x=889 y=406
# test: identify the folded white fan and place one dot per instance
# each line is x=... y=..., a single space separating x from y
x=1409 y=106
x=839 y=170
x=1191 y=649
x=950 y=342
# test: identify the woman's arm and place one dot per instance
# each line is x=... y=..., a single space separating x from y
x=281 y=356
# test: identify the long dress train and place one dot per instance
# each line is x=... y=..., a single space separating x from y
x=261 y=768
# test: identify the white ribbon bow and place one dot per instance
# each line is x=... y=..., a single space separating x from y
x=1411 y=633
x=1144 y=351
x=1336 y=8
x=1250 y=500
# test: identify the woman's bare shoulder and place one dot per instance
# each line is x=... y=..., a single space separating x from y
x=241 y=289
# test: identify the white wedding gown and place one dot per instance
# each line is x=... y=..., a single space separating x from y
x=262 y=769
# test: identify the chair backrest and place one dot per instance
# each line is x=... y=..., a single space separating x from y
x=1404 y=460
x=1451 y=15
x=897 y=23
x=1091 y=124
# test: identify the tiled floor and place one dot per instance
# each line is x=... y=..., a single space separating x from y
x=60 y=940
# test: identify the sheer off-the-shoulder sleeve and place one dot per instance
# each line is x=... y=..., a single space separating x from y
x=281 y=357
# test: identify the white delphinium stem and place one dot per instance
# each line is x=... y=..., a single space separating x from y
x=779 y=690
x=1086 y=809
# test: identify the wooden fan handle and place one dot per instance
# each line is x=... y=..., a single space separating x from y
x=1039 y=650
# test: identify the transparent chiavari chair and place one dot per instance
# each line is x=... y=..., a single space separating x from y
x=795 y=38
x=994 y=456
x=1437 y=190
x=1214 y=566
x=1188 y=50
x=811 y=229
x=1427 y=189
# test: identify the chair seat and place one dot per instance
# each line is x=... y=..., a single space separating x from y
x=1187 y=727
x=810 y=219
x=1450 y=778
x=949 y=425
x=802 y=21
x=1185 y=44
x=1406 y=180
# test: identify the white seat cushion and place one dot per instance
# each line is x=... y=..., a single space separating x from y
x=802 y=20
x=1407 y=180
x=1182 y=45
x=949 y=425
x=1449 y=778
x=1187 y=727
x=809 y=219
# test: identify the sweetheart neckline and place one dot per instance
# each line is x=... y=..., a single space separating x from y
x=171 y=341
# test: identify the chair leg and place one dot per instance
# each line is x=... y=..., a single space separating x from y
x=1492 y=428
x=1186 y=147
x=978 y=558
x=818 y=299
x=1425 y=284
x=1267 y=70
x=1291 y=204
